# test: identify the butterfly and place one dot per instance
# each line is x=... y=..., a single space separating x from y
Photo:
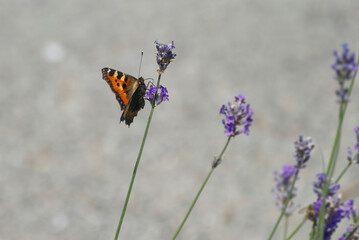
x=129 y=92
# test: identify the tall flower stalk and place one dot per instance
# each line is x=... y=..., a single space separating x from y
x=164 y=56
x=236 y=114
x=285 y=190
x=346 y=70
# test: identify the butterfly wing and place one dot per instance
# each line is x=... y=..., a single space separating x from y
x=119 y=84
x=129 y=92
x=136 y=102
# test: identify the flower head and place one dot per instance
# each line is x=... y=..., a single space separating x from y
x=319 y=184
x=345 y=68
x=344 y=64
x=153 y=93
x=164 y=55
x=303 y=148
x=284 y=181
x=236 y=114
x=335 y=212
x=335 y=209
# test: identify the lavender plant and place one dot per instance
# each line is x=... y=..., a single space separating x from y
x=238 y=119
x=327 y=211
x=335 y=209
x=164 y=56
x=285 y=188
x=345 y=68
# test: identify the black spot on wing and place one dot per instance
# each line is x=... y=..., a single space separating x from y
x=111 y=72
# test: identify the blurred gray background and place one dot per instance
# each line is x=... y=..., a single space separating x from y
x=66 y=162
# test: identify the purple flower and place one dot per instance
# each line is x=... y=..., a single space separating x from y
x=348 y=208
x=319 y=184
x=356 y=130
x=335 y=210
x=345 y=69
x=356 y=148
x=344 y=64
x=236 y=114
x=164 y=55
x=284 y=181
x=160 y=97
x=303 y=148
x=332 y=221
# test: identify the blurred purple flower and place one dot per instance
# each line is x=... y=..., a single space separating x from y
x=319 y=184
x=236 y=114
x=335 y=210
x=303 y=148
x=345 y=68
x=164 y=55
x=284 y=181
x=344 y=64
x=160 y=97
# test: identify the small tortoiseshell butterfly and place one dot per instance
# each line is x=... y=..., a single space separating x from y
x=129 y=92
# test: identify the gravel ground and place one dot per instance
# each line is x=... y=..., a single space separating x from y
x=66 y=162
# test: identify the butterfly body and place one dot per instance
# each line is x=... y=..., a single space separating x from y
x=129 y=92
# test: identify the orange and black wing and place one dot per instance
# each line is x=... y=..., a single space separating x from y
x=129 y=92
x=119 y=84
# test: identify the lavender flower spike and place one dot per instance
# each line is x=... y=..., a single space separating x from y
x=303 y=148
x=160 y=97
x=164 y=55
x=345 y=68
x=319 y=184
x=344 y=64
x=237 y=114
x=335 y=209
x=284 y=181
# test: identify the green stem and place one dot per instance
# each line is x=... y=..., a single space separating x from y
x=137 y=163
x=332 y=160
x=297 y=229
x=312 y=233
x=285 y=205
x=285 y=226
x=344 y=171
x=200 y=191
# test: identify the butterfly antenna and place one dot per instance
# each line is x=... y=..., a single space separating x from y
x=139 y=69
